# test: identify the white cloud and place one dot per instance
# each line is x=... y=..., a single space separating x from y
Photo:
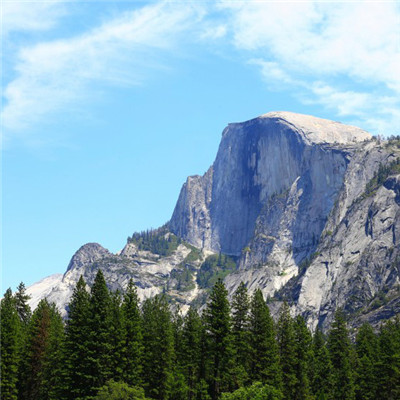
x=308 y=44
x=25 y=16
x=57 y=74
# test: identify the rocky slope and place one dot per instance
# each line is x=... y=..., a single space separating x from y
x=302 y=205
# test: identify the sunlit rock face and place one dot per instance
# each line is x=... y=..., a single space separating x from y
x=290 y=197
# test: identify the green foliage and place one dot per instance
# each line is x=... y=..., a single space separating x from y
x=287 y=351
x=340 y=354
x=119 y=391
x=11 y=343
x=257 y=391
x=384 y=171
x=184 y=278
x=21 y=299
x=241 y=334
x=158 y=241
x=219 y=336
x=76 y=343
x=132 y=327
x=264 y=350
x=42 y=372
x=158 y=344
x=215 y=267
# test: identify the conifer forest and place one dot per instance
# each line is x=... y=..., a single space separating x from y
x=111 y=346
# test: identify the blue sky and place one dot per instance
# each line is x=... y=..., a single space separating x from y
x=108 y=106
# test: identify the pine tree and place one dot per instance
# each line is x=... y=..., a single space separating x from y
x=218 y=325
x=117 y=338
x=158 y=352
x=388 y=369
x=133 y=349
x=99 y=349
x=42 y=373
x=340 y=353
x=191 y=351
x=24 y=311
x=303 y=360
x=287 y=351
x=322 y=379
x=367 y=358
x=240 y=334
x=53 y=377
x=264 y=353
x=10 y=328
x=76 y=343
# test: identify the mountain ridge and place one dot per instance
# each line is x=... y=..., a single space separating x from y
x=290 y=197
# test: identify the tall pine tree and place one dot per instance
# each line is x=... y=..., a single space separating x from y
x=11 y=342
x=133 y=349
x=218 y=325
x=287 y=350
x=76 y=343
x=264 y=352
x=340 y=353
x=99 y=345
x=240 y=334
x=158 y=355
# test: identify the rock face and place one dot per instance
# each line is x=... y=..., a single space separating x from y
x=305 y=207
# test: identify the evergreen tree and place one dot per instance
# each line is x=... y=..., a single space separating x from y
x=21 y=298
x=218 y=325
x=191 y=351
x=340 y=353
x=158 y=344
x=117 y=336
x=240 y=334
x=76 y=343
x=133 y=349
x=303 y=360
x=10 y=328
x=287 y=350
x=42 y=368
x=367 y=353
x=321 y=368
x=100 y=346
x=388 y=369
x=264 y=353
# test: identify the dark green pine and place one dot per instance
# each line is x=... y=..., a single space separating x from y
x=367 y=359
x=42 y=373
x=76 y=343
x=99 y=347
x=264 y=354
x=133 y=349
x=303 y=339
x=388 y=368
x=287 y=352
x=241 y=335
x=321 y=371
x=191 y=354
x=158 y=352
x=218 y=326
x=11 y=341
x=117 y=337
x=340 y=352
x=21 y=298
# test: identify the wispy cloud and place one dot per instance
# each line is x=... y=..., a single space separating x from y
x=33 y=16
x=55 y=74
x=314 y=47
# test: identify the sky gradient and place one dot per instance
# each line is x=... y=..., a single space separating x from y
x=108 y=106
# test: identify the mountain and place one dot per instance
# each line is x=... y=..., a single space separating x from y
x=307 y=209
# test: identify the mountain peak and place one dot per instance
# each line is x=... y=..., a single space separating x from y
x=88 y=253
x=319 y=130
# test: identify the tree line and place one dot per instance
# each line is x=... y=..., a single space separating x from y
x=112 y=347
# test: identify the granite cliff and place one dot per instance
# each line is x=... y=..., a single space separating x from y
x=304 y=208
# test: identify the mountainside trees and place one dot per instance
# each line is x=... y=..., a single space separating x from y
x=111 y=346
